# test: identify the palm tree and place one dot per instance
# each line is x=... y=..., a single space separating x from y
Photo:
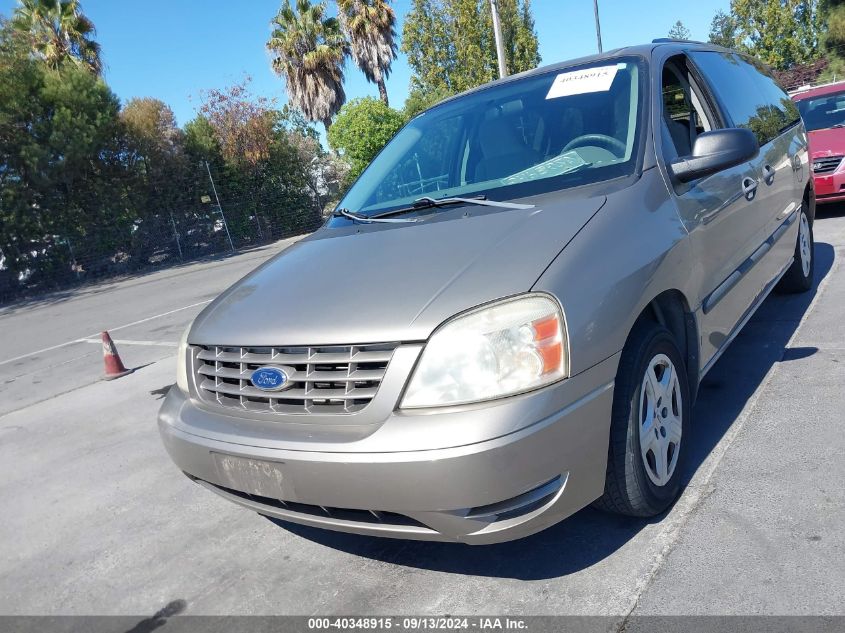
x=309 y=50
x=59 y=32
x=369 y=25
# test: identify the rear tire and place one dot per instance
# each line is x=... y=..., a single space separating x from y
x=799 y=276
x=650 y=425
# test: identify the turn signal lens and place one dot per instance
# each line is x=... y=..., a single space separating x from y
x=182 y=361
x=549 y=341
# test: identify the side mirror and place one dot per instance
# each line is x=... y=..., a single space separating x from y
x=715 y=151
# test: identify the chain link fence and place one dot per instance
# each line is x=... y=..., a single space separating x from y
x=172 y=234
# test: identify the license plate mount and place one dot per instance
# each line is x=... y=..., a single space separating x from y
x=254 y=476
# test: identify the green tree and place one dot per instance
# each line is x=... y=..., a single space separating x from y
x=370 y=27
x=469 y=25
x=723 y=30
x=200 y=141
x=153 y=124
x=155 y=157
x=833 y=14
x=419 y=100
x=526 y=48
x=62 y=179
x=450 y=43
x=773 y=31
x=309 y=51
x=154 y=136
x=427 y=41
x=679 y=31
x=58 y=32
x=88 y=189
x=780 y=32
x=361 y=129
x=831 y=17
x=519 y=35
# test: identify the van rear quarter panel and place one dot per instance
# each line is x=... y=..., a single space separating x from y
x=634 y=249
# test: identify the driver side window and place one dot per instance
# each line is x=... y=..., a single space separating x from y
x=683 y=113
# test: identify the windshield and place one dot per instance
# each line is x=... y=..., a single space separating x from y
x=823 y=112
x=560 y=129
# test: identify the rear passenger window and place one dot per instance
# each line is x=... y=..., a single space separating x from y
x=788 y=110
x=751 y=97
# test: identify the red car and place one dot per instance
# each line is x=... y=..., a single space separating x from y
x=823 y=111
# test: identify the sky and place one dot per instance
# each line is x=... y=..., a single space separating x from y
x=175 y=49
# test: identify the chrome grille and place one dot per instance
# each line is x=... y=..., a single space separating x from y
x=826 y=165
x=333 y=379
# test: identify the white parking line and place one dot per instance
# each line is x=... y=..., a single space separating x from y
x=85 y=339
x=157 y=316
x=127 y=342
x=40 y=351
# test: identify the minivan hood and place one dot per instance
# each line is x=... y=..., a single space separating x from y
x=373 y=283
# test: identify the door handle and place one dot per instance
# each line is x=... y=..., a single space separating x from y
x=768 y=174
x=749 y=188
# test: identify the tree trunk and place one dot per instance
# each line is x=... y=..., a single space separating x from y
x=382 y=91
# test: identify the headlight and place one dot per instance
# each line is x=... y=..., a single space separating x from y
x=182 y=361
x=498 y=350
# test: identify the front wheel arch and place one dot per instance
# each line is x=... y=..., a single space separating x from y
x=671 y=310
x=810 y=199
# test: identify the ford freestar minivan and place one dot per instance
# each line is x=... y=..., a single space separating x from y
x=509 y=313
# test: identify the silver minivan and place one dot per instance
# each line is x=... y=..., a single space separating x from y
x=509 y=313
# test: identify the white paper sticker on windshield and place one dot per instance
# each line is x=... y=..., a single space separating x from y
x=580 y=82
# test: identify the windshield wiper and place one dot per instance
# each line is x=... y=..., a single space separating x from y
x=838 y=125
x=425 y=203
x=366 y=219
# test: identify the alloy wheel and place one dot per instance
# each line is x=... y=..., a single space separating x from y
x=661 y=419
x=804 y=244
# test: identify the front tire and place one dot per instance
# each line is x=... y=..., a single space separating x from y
x=650 y=425
x=799 y=276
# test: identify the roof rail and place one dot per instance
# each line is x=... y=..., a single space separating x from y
x=669 y=40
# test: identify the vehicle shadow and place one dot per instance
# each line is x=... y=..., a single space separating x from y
x=589 y=536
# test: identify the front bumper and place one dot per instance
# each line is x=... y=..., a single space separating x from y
x=497 y=489
x=830 y=187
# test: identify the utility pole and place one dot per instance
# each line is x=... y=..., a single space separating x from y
x=598 y=26
x=500 y=46
x=219 y=207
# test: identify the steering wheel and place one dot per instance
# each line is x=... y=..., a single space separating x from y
x=603 y=139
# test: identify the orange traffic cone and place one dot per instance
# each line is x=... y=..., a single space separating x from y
x=111 y=359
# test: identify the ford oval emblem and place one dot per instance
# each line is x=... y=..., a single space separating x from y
x=269 y=378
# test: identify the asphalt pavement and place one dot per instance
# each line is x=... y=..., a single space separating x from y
x=97 y=520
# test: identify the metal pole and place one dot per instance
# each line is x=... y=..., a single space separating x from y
x=219 y=207
x=176 y=235
x=73 y=265
x=598 y=25
x=257 y=218
x=500 y=46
